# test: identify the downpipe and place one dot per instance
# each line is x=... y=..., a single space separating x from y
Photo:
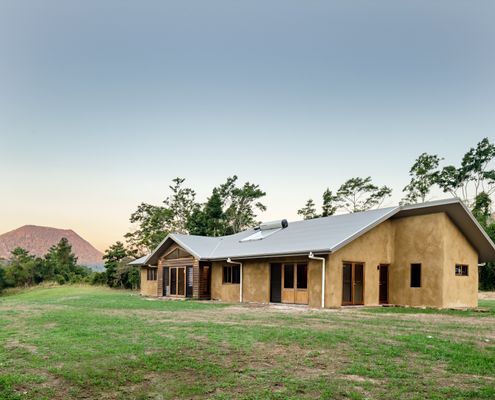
x=229 y=261
x=323 y=276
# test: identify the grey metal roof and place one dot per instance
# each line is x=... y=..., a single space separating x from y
x=139 y=261
x=324 y=235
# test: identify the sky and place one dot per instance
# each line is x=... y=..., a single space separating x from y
x=103 y=103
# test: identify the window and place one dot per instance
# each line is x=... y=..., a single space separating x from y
x=288 y=276
x=302 y=276
x=416 y=275
x=232 y=274
x=461 y=270
x=152 y=274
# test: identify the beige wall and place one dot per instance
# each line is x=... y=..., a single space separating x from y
x=419 y=239
x=373 y=248
x=148 y=288
x=256 y=281
x=459 y=291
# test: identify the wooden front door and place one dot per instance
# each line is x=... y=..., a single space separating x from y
x=383 y=284
x=177 y=281
x=353 y=284
x=295 y=283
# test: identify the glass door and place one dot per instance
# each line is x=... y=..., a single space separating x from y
x=352 y=284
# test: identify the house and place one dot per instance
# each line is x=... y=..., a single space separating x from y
x=418 y=255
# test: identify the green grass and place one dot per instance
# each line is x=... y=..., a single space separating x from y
x=89 y=342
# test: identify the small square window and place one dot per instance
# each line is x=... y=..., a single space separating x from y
x=461 y=270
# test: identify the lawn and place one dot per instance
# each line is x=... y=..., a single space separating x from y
x=89 y=342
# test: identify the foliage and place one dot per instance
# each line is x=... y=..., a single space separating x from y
x=424 y=175
x=330 y=203
x=240 y=204
x=473 y=176
x=211 y=219
x=181 y=203
x=112 y=257
x=360 y=194
x=59 y=265
x=152 y=228
x=308 y=211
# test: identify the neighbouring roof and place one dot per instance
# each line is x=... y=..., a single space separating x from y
x=322 y=235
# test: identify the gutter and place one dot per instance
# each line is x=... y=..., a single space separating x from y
x=323 y=275
x=229 y=261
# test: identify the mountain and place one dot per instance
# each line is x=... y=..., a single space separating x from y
x=38 y=239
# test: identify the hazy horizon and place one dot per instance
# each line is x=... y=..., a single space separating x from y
x=102 y=104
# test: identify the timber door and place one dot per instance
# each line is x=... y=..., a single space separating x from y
x=383 y=285
x=353 y=284
x=177 y=281
x=295 y=283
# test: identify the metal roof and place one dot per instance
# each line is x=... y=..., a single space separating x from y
x=324 y=235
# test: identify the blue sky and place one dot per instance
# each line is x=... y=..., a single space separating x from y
x=102 y=103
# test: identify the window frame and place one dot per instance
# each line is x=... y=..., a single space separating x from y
x=152 y=274
x=420 y=283
x=228 y=274
x=462 y=267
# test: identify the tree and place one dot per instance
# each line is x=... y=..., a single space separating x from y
x=112 y=257
x=424 y=175
x=308 y=211
x=473 y=176
x=210 y=220
x=62 y=263
x=360 y=194
x=240 y=204
x=153 y=224
x=20 y=269
x=330 y=203
x=3 y=283
x=181 y=204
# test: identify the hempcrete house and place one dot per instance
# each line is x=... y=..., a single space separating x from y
x=417 y=255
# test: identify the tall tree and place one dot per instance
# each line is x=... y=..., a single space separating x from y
x=62 y=262
x=181 y=204
x=330 y=203
x=308 y=211
x=473 y=176
x=209 y=220
x=240 y=204
x=20 y=269
x=153 y=226
x=112 y=257
x=424 y=175
x=360 y=194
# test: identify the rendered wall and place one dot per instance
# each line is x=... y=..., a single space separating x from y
x=373 y=248
x=148 y=288
x=256 y=281
x=459 y=291
x=419 y=239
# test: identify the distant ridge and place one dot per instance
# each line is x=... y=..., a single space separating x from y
x=38 y=239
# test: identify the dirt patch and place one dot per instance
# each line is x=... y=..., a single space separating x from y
x=486 y=295
x=14 y=344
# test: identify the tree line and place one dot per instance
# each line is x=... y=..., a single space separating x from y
x=59 y=265
x=233 y=207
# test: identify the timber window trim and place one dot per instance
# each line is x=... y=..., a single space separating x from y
x=231 y=274
x=152 y=274
x=415 y=276
x=461 y=270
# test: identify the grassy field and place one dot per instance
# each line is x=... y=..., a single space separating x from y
x=88 y=342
